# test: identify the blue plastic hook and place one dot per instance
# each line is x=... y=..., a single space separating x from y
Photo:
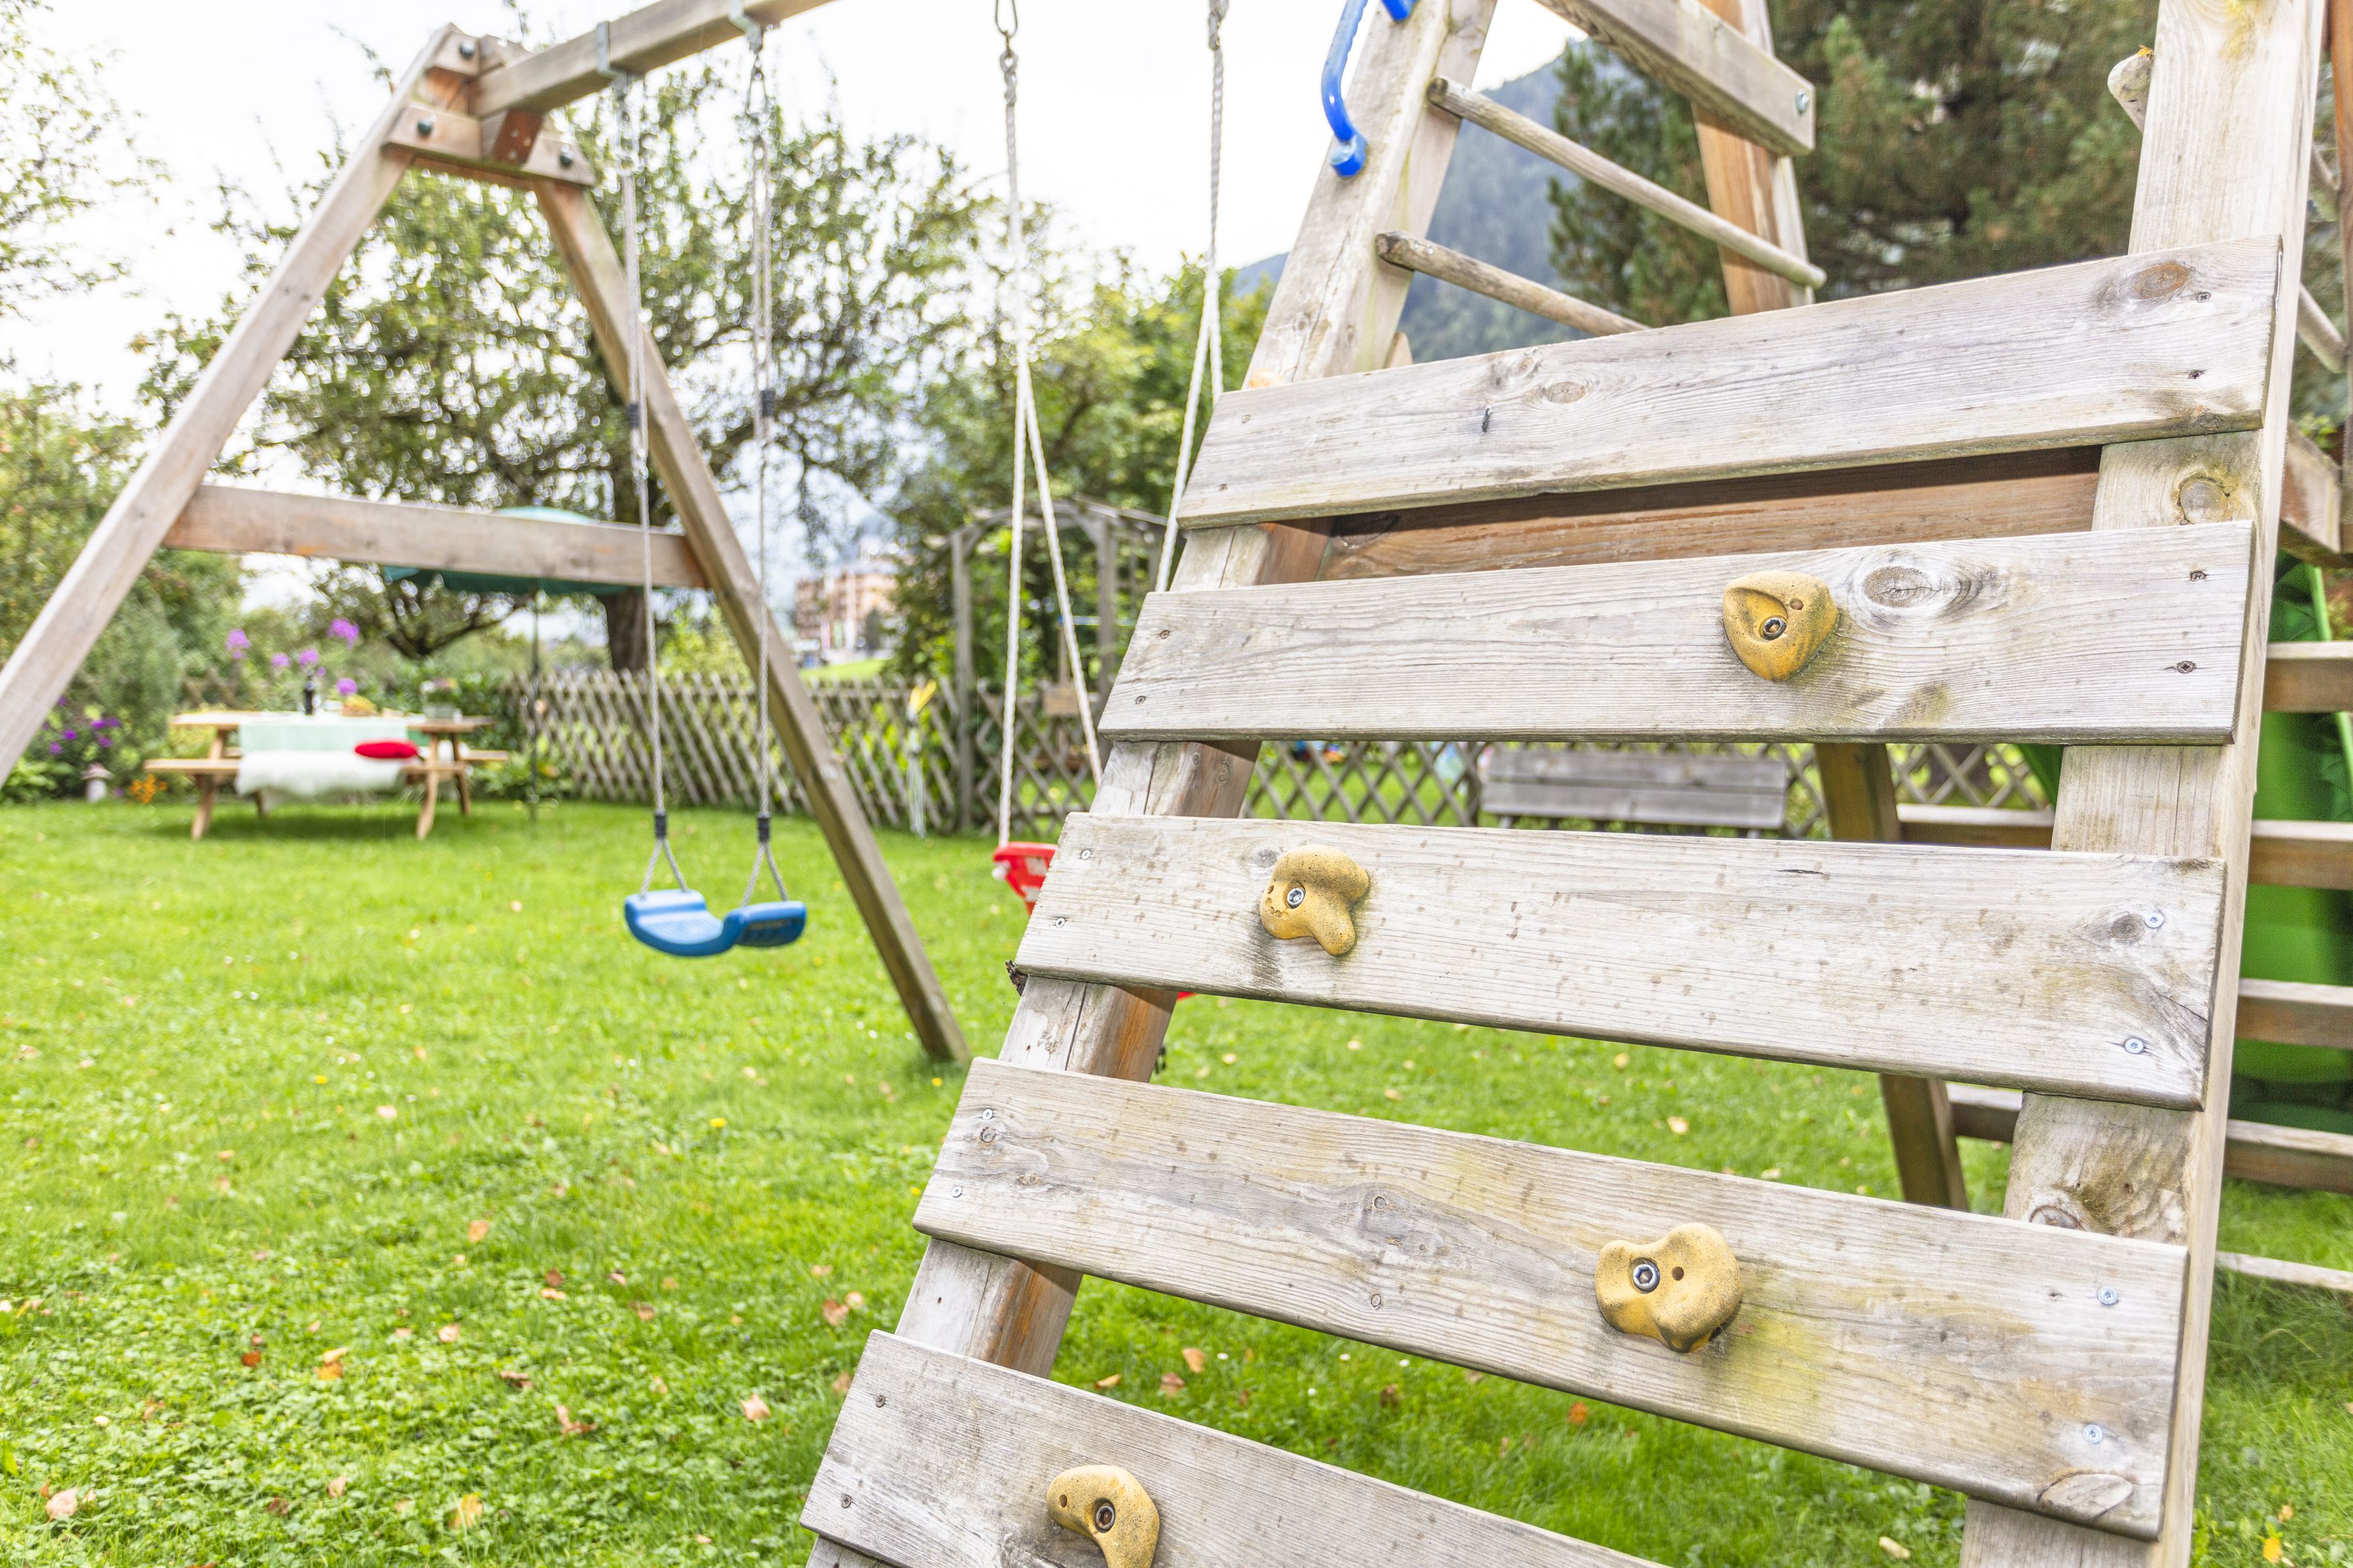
x=1348 y=153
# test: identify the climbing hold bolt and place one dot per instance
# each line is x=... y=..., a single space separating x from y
x=1310 y=894
x=1110 y=1507
x=1776 y=621
x=1679 y=1289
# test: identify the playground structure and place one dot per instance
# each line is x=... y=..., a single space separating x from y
x=2044 y=508
x=474 y=106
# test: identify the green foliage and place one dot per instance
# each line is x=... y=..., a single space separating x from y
x=1110 y=360
x=755 y=1129
x=61 y=150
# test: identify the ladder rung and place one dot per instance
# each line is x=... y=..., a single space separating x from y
x=1482 y=1253
x=2279 y=1271
x=1687 y=49
x=2256 y=1151
x=2309 y=677
x=2295 y=1013
x=1418 y=255
x=1586 y=165
x=2317 y=332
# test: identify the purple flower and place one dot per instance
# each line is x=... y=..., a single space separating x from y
x=104 y=741
x=342 y=628
x=238 y=641
x=278 y=661
x=308 y=656
x=73 y=734
x=347 y=687
x=55 y=748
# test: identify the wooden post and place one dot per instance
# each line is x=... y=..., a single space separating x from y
x=2228 y=135
x=967 y=711
x=1334 y=311
x=596 y=273
x=1102 y=531
x=117 y=550
x=1754 y=188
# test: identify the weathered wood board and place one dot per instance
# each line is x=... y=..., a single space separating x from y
x=2295 y=1012
x=1687 y=51
x=1949 y=1348
x=2019 y=967
x=1669 y=787
x=2068 y=637
x=940 y=1462
x=2256 y=1151
x=2309 y=677
x=2116 y=350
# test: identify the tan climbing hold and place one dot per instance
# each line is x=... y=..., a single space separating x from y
x=1776 y=621
x=1110 y=1507
x=1679 y=1289
x=1310 y=894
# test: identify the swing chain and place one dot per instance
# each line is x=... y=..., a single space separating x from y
x=661 y=853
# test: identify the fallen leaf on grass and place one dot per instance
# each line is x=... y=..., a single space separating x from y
x=820 y=1270
x=404 y=1334
x=64 y=1504
x=447 y=1333
x=338 y=1486
x=1111 y=1382
x=550 y=1293
x=569 y=1427
x=1194 y=1360
x=1391 y=1094
x=2287 y=1511
x=755 y=1408
x=645 y=1310
x=1895 y=1549
x=2273 y=1549
x=841 y=1383
x=277 y=1506
x=251 y=1358
x=332 y=1356
x=554 y=1277
x=616 y=1277
x=514 y=1378
x=387 y=1111
x=854 y=1301
x=226 y=1155
x=1578 y=1415
x=477 y=1230
x=670 y=1281
x=702 y=1540
x=1389 y=1397
x=468 y=1513
x=331 y=1373
x=404 y=1505
x=834 y=1312
x=1678 y=1126
x=1171 y=1386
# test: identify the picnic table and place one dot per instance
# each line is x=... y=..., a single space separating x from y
x=430 y=770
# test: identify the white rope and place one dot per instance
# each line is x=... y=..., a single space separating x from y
x=1209 y=348
x=1025 y=432
x=756 y=115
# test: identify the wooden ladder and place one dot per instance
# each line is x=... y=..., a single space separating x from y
x=1909 y=451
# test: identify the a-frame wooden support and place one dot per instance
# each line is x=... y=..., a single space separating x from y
x=428 y=121
x=2047 y=1363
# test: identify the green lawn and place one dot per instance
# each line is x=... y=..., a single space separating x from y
x=564 y=1206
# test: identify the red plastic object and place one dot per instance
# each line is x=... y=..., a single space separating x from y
x=1023 y=867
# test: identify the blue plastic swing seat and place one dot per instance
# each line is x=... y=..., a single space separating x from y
x=680 y=923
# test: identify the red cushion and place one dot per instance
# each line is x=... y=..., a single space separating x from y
x=388 y=750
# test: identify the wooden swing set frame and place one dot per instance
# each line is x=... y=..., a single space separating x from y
x=475 y=107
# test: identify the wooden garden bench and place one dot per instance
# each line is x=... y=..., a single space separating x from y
x=1665 y=789
x=1671 y=577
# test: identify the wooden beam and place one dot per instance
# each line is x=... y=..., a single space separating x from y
x=595 y=270
x=2281 y=854
x=1335 y=312
x=1976 y=826
x=1947 y=1348
x=2309 y=677
x=2230 y=122
x=941 y=1462
x=1592 y=167
x=234 y=520
x=2293 y=1013
x=2077 y=638
x=1686 y=49
x=2004 y=496
x=644 y=40
x=1418 y=255
x=2016 y=968
x=2256 y=1151
x=2117 y=350
x=2312 y=505
x=2278 y=1271
x=118 y=550
x=461 y=144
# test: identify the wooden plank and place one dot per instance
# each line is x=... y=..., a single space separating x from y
x=596 y=271
x=2316 y=332
x=2302 y=1276
x=2005 y=496
x=2309 y=677
x=2256 y=1151
x=2072 y=636
x=1947 y=1348
x=644 y=40
x=2295 y=1012
x=233 y=520
x=2230 y=119
x=458 y=143
x=1686 y=49
x=2116 y=350
x=940 y=1462
x=2016 y=967
x=1591 y=166
x=1418 y=255
x=2312 y=505
x=1333 y=310
x=1659 y=770
x=1977 y=827
x=2282 y=854
x=117 y=551
x=1660 y=787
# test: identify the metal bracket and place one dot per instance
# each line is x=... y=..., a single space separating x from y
x=753 y=31
x=1348 y=153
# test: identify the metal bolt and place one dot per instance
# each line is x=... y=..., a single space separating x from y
x=2135 y=1047
x=2095 y=1432
x=1086 y=854
x=1773 y=627
x=845 y=1499
x=955 y=1192
x=2153 y=921
x=2108 y=1296
x=880 y=1400
x=1297 y=897
x=1646 y=1275
x=1805 y=101
x=424 y=125
x=564 y=159
x=1060 y=920
x=988 y=1114
x=465 y=48
x=2186 y=666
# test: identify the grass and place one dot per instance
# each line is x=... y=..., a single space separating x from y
x=311 y=1086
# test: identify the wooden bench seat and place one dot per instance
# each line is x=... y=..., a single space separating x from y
x=209 y=774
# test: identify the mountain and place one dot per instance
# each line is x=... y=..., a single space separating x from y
x=1496 y=205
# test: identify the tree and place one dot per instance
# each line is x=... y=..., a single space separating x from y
x=451 y=361
x=62 y=149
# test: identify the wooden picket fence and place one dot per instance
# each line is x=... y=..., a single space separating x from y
x=938 y=770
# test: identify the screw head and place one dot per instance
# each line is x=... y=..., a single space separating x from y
x=2109 y=1296
x=1086 y=854
x=1646 y=1275
x=1297 y=897
x=564 y=159
x=2153 y=921
x=988 y=1114
x=1062 y=920
x=1106 y=1516
x=465 y=48
x=1773 y=627
x=424 y=125
x=955 y=1192
x=2135 y=1047
x=1805 y=101
x=2095 y=1434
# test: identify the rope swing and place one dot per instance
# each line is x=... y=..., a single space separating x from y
x=1209 y=348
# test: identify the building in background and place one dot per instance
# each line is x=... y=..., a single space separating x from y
x=844 y=612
